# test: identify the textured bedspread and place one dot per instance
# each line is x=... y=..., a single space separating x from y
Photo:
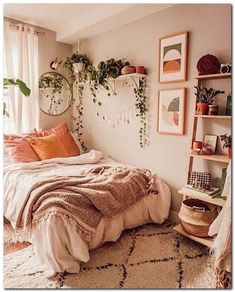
x=102 y=191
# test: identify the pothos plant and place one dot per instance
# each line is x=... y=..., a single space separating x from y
x=141 y=105
x=54 y=82
x=100 y=78
x=78 y=78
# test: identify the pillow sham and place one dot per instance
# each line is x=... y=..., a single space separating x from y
x=18 y=149
x=48 y=147
x=65 y=137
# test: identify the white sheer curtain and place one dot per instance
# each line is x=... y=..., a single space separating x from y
x=21 y=61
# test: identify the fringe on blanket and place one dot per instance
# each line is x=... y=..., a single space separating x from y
x=223 y=279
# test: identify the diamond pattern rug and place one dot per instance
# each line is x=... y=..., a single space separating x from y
x=151 y=256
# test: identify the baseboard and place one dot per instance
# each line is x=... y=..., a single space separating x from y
x=173 y=217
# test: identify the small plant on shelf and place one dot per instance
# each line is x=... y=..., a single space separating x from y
x=227 y=143
x=110 y=68
x=205 y=97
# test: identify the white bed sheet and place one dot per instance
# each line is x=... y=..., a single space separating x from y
x=60 y=247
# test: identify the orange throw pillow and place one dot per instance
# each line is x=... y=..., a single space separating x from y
x=48 y=147
x=19 y=149
x=65 y=137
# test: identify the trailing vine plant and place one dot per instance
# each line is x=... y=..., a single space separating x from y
x=100 y=78
x=141 y=105
x=77 y=79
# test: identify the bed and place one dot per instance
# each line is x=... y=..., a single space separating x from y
x=55 y=239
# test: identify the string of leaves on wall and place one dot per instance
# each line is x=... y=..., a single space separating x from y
x=99 y=78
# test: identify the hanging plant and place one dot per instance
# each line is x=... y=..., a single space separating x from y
x=141 y=105
x=78 y=121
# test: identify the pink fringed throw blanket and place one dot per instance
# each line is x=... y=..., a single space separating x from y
x=102 y=191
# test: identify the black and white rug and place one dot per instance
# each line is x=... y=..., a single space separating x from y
x=151 y=256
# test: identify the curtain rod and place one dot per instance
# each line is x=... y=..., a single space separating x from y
x=36 y=31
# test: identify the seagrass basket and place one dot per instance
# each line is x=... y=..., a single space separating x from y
x=196 y=216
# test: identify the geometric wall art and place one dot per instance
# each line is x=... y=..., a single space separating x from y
x=173 y=58
x=171 y=111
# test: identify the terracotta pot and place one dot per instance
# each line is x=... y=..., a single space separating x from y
x=230 y=152
x=128 y=70
x=197 y=145
x=139 y=69
x=203 y=108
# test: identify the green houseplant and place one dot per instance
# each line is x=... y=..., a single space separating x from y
x=15 y=82
x=227 y=143
x=205 y=97
x=110 y=68
x=77 y=64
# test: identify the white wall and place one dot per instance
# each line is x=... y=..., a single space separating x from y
x=209 y=29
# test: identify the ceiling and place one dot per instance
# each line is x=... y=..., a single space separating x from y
x=74 y=21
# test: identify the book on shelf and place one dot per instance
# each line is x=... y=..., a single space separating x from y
x=213 y=192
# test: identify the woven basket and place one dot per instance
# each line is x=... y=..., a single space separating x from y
x=196 y=216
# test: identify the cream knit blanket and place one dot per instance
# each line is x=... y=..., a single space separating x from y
x=101 y=191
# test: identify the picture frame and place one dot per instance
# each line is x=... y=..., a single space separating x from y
x=211 y=141
x=171 y=111
x=173 y=55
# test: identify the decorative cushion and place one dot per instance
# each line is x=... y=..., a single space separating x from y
x=18 y=149
x=65 y=137
x=48 y=147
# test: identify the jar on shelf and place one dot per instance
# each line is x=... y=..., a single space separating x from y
x=213 y=110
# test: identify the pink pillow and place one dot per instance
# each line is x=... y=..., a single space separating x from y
x=19 y=149
x=65 y=137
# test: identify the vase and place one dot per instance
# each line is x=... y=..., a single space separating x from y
x=230 y=152
x=77 y=67
x=203 y=108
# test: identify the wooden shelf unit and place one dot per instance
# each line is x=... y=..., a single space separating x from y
x=202 y=196
x=214 y=157
x=187 y=193
x=208 y=241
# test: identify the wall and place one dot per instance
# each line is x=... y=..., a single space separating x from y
x=209 y=27
x=48 y=50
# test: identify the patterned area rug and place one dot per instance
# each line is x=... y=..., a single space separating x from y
x=151 y=256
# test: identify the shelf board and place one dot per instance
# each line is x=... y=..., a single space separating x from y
x=218 y=201
x=213 y=76
x=133 y=75
x=212 y=117
x=120 y=78
x=214 y=157
x=203 y=240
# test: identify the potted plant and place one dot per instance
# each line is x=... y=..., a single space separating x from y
x=110 y=68
x=227 y=139
x=205 y=97
x=77 y=62
x=15 y=82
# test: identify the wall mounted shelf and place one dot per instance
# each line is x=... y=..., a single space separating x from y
x=214 y=76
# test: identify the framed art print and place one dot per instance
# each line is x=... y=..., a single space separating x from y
x=210 y=141
x=173 y=58
x=171 y=111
